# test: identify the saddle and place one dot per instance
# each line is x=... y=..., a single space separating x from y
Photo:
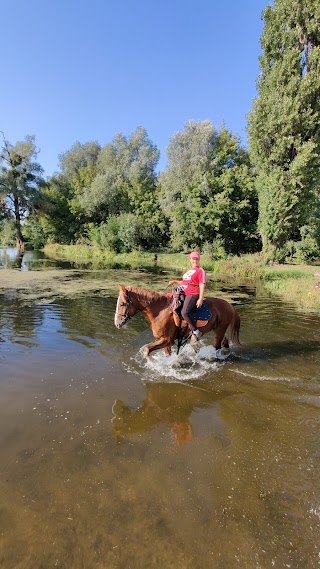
x=200 y=315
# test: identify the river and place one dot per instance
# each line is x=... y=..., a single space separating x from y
x=112 y=461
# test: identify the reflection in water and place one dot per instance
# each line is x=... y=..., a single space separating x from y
x=170 y=404
x=19 y=321
x=12 y=258
x=241 y=488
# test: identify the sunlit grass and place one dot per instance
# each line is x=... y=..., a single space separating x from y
x=302 y=292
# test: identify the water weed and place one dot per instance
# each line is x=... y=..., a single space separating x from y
x=293 y=283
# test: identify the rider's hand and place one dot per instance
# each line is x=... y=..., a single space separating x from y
x=199 y=303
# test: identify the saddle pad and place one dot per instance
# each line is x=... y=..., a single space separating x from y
x=202 y=313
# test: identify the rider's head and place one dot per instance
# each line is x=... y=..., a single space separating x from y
x=194 y=257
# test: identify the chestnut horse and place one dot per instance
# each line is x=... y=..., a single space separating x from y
x=155 y=307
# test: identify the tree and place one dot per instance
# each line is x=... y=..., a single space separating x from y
x=79 y=157
x=62 y=219
x=284 y=123
x=208 y=191
x=59 y=224
x=124 y=165
x=126 y=183
x=20 y=182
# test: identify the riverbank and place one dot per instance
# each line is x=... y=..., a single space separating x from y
x=296 y=284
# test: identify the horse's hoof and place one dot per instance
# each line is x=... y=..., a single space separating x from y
x=146 y=352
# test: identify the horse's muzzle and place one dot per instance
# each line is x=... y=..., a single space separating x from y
x=122 y=323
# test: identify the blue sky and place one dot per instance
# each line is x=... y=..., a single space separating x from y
x=81 y=71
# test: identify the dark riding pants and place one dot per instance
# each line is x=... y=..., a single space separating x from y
x=188 y=308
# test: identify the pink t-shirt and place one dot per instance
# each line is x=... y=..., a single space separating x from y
x=191 y=280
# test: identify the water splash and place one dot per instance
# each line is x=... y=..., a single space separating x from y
x=189 y=364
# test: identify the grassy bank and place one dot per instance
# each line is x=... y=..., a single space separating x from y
x=293 y=283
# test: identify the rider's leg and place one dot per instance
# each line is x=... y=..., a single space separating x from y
x=188 y=308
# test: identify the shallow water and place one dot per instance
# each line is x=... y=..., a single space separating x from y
x=109 y=460
x=11 y=258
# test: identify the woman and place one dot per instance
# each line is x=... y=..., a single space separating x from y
x=193 y=285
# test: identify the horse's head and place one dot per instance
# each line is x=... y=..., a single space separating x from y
x=125 y=308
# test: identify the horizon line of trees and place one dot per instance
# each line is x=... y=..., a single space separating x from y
x=111 y=196
x=214 y=193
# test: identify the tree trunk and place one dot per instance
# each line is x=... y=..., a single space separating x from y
x=19 y=238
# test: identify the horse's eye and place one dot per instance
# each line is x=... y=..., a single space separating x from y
x=123 y=304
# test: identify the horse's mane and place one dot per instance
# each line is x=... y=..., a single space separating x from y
x=146 y=294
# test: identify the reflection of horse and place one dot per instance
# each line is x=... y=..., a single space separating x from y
x=170 y=404
x=155 y=307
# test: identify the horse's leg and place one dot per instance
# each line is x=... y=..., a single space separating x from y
x=225 y=343
x=167 y=350
x=163 y=342
x=220 y=338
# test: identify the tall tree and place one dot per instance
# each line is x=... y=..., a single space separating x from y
x=126 y=183
x=284 y=123
x=20 y=181
x=124 y=166
x=61 y=218
x=208 y=191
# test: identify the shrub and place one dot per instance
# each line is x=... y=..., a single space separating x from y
x=7 y=232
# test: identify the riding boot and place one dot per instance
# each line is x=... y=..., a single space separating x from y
x=196 y=335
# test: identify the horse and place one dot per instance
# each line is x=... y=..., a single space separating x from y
x=156 y=309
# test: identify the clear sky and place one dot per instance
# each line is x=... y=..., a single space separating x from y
x=79 y=71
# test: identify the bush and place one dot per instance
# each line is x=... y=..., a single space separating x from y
x=35 y=234
x=7 y=233
x=121 y=234
x=307 y=250
x=130 y=232
x=106 y=235
x=214 y=251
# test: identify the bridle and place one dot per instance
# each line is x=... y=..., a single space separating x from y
x=127 y=303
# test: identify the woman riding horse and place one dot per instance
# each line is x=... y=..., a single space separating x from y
x=155 y=307
x=193 y=285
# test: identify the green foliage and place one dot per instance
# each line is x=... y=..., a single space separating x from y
x=59 y=223
x=7 y=232
x=20 y=182
x=123 y=185
x=79 y=157
x=125 y=168
x=129 y=231
x=214 y=251
x=208 y=190
x=105 y=235
x=122 y=233
x=110 y=196
x=308 y=250
x=284 y=123
x=35 y=233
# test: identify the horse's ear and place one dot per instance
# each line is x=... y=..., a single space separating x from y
x=122 y=287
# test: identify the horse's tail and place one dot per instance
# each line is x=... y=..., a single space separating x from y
x=234 y=329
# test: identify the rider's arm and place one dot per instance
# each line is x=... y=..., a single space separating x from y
x=202 y=287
